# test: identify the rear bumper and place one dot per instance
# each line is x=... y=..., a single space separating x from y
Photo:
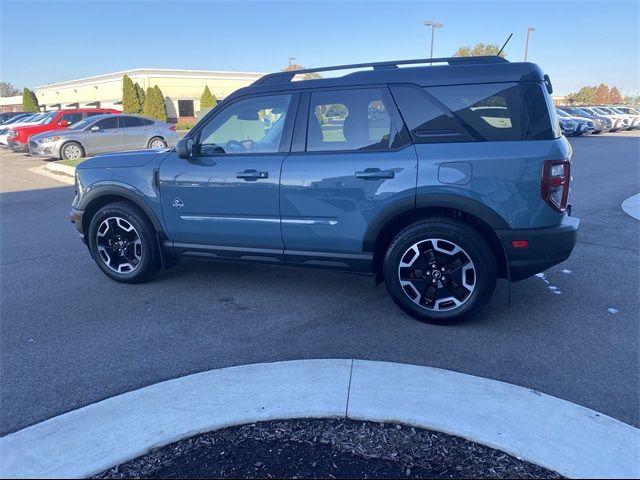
x=547 y=247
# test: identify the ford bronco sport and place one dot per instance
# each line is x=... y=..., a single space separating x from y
x=437 y=179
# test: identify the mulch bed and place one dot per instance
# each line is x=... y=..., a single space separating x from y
x=326 y=449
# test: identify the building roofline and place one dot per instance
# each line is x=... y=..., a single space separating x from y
x=152 y=71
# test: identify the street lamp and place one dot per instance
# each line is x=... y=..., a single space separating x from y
x=291 y=60
x=526 y=46
x=433 y=25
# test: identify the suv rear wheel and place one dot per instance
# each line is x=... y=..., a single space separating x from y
x=440 y=271
x=122 y=242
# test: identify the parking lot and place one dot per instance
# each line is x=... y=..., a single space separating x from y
x=71 y=337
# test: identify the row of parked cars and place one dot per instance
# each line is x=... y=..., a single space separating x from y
x=576 y=121
x=73 y=134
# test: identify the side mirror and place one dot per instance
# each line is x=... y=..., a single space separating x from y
x=63 y=123
x=184 y=148
x=95 y=128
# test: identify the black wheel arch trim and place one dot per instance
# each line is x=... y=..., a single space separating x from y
x=430 y=200
x=114 y=190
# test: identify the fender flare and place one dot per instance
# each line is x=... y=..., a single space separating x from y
x=430 y=200
x=119 y=191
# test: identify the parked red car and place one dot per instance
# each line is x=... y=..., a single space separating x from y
x=18 y=138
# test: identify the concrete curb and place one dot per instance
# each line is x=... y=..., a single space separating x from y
x=572 y=440
x=60 y=168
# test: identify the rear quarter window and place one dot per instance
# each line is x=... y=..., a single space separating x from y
x=481 y=112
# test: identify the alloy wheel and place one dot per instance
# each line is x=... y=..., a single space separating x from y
x=119 y=245
x=72 y=152
x=157 y=143
x=437 y=274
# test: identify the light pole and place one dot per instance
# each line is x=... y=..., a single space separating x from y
x=291 y=60
x=433 y=25
x=526 y=45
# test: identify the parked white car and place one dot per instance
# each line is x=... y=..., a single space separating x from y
x=629 y=112
x=33 y=120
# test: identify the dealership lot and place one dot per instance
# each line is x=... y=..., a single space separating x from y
x=70 y=336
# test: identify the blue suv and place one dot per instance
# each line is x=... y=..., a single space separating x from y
x=437 y=179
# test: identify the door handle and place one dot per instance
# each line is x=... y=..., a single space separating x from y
x=375 y=174
x=250 y=175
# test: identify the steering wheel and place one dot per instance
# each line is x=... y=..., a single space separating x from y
x=234 y=146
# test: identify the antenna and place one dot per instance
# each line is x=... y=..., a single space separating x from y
x=505 y=44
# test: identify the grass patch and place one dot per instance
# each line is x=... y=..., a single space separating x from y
x=73 y=162
x=184 y=125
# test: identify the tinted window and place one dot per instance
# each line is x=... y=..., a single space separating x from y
x=491 y=112
x=129 y=122
x=428 y=120
x=146 y=121
x=107 y=123
x=251 y=125
x=348 y=120
x=71 y=117
x=185 y=108
x=93 y=114
x=542 y=118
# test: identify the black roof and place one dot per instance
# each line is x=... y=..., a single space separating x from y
x=431 y=72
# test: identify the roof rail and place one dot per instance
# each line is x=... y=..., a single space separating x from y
x=282 y=77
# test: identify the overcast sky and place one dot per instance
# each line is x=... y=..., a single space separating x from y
x=578 y=42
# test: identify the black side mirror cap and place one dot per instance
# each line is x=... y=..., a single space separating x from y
x=184 y=148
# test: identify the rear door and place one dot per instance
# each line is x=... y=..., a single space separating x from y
x=134 y=132
x=351 y=160
x=106 y=138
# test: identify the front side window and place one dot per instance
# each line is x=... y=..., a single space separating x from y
x=349 y=120
x=71 y=118
x=250 y=125
x=107 y=123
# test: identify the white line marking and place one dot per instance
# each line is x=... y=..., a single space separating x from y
x=568 y=438
x=631 y=206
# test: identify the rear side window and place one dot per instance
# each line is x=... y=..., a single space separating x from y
x=128 y=122
x=93 y=114
x=146 y=121
x=482 y=112
x=542 y=114
x=349 y=120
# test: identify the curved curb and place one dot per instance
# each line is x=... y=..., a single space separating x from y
x=631 y=206
x=556 y=434
x=60 y=168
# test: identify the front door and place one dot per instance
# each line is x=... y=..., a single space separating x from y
x=224 y=200
x=350 y=161
x=107 y=137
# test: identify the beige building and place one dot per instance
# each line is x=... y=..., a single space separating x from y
x=182 y=89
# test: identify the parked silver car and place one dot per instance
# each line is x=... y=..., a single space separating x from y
x=102 y=134
x=600 y=122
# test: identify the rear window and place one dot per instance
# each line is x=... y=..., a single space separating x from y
x=482 y=112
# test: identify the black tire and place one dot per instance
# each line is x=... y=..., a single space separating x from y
x=480 y=272
x=142 y=269
x=68 y=147
x=157 y=139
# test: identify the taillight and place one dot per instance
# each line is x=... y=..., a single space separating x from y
x=172 y=127
x=556 y=177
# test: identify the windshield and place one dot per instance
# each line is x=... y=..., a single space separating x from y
x=607 y=110
x=84 y=123
x=601 y=111
x=579 y=111
x=562 y=113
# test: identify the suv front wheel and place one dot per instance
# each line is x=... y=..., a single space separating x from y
x=440 y=271
x=122 y=242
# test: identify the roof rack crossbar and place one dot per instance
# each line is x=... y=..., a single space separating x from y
x=282 y=77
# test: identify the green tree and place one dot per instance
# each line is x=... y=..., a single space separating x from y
x=601 y=95
x=207 y=100
x=614 y=95
x=130 y=99
x=29 y=101
x=148 y=109
x=160 y=105
x=8 y=90
x=140 y=92
x=479 y=49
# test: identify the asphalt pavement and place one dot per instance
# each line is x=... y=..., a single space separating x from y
x=69 y=336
